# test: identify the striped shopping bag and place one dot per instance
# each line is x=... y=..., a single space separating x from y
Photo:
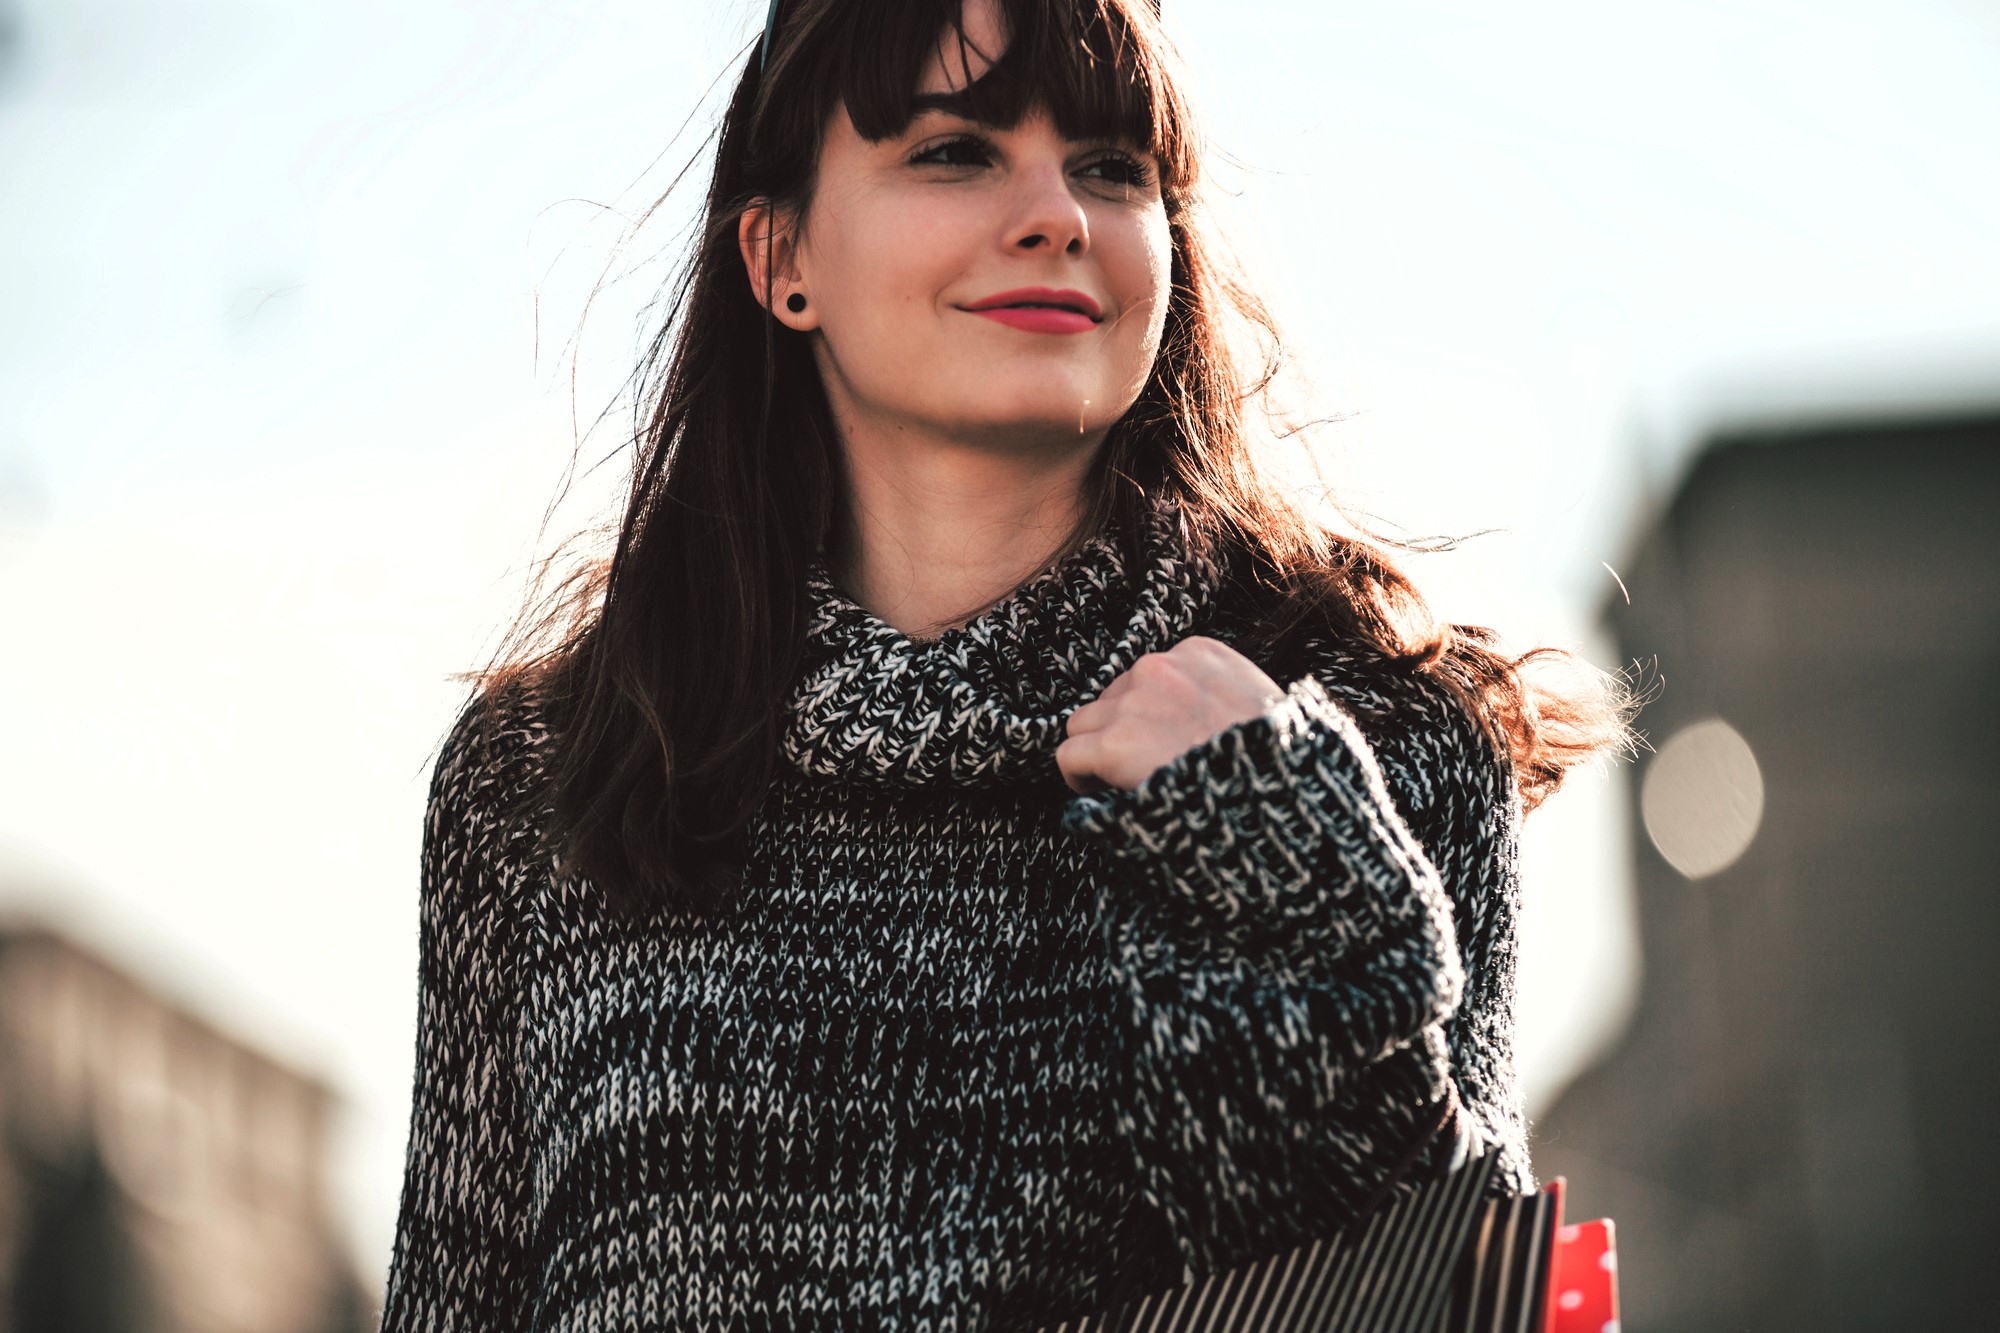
x=1451 y=1256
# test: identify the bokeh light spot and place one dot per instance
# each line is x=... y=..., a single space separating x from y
x=1703 y=798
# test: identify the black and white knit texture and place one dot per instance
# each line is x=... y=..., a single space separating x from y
x=968 y=1051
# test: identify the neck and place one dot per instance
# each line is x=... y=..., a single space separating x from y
x=940 y=529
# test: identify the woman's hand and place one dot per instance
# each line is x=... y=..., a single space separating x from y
x=1163 y=705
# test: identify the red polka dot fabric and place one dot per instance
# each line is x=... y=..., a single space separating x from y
x=1585 y=1279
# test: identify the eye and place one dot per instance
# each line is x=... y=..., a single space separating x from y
x=961 y=150
x=1123 y=169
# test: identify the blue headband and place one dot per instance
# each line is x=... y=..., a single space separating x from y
x=770 y=26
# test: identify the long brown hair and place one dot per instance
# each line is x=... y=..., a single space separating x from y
x=662 y=670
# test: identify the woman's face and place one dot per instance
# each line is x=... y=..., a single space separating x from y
x=981 y=283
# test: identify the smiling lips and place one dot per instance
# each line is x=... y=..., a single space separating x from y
x=1040 y=310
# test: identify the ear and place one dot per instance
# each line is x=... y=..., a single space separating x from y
x=767 y=240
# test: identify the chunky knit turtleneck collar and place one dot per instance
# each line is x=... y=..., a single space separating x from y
x=986 y=702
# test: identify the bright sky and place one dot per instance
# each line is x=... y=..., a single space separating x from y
x=284 y=391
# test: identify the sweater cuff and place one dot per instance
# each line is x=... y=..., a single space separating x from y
x=1261 y=828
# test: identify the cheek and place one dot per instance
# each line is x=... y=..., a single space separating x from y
x=882 y=263
x=1160 y=262
x=1144 y=275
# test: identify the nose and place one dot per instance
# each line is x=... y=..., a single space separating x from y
x=1047 y=214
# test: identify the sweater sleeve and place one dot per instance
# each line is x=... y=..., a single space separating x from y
x=1287 y=961
x=1459 y=795
x=459 y=1264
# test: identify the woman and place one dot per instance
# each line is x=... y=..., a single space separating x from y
x=974 y=849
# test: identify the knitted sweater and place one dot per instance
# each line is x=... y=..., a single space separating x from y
x=968 y=1049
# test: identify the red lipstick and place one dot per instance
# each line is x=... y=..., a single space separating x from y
x=1040 y=309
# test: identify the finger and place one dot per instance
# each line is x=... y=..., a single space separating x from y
x=1120 y=683
x=1091 y=717
x=1078 y=757
x=1220 y=672
x=1087 y=786
x=1206 y=662
x=1201 y=644
x=1098 y=712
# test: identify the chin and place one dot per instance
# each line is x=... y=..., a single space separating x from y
x=1046 y=408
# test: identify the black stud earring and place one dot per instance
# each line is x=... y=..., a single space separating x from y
x=796 y=302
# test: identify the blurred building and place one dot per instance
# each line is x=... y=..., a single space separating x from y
x=1796 y=1131
x=155 y=1173
x=10 y=41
